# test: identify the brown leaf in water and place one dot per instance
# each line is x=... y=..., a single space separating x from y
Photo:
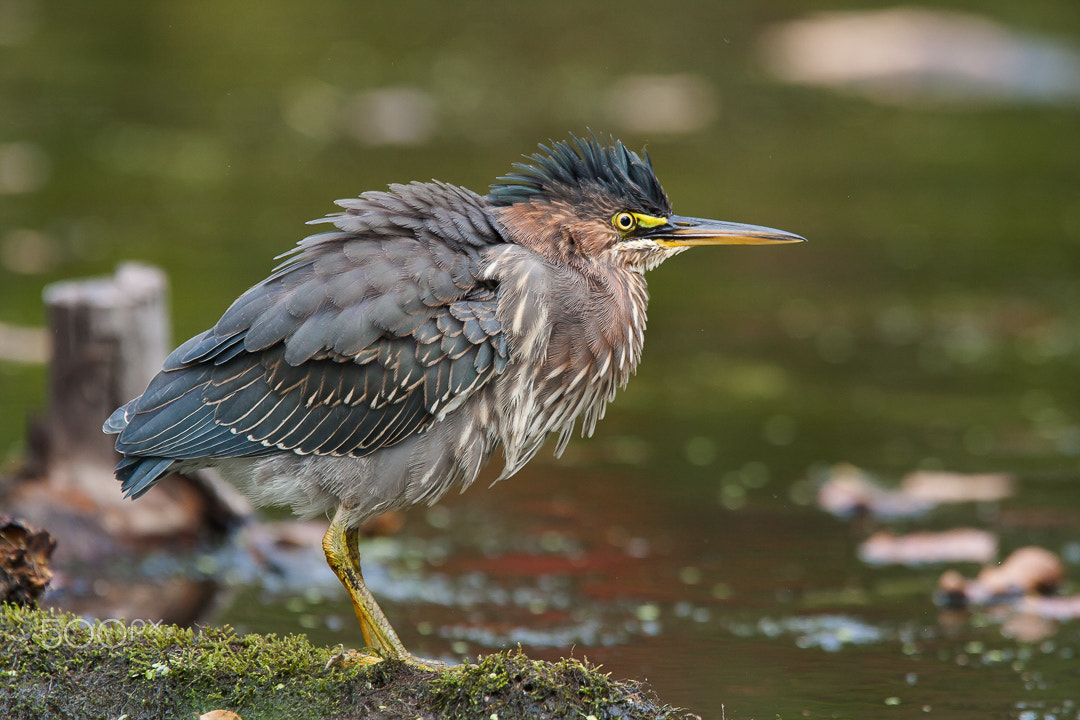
x=1028 y=571
x=848 y=490
x=950 y=487
x=918 y=548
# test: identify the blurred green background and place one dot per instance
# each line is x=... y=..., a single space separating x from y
x=932 y=158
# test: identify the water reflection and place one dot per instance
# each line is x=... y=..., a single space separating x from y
x=915 y=56
x=24 y=167
x=827 y=632
x=391 y=116
x=18 y=21
x=412 y=115
x=661 y=103
x=29 y=252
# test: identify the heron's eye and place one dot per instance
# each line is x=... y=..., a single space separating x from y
x=624 y=222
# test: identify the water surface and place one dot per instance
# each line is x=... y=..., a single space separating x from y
x=931 y=321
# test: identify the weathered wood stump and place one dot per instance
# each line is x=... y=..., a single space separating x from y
x=109 y=337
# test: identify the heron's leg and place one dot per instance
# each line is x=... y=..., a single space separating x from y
x=343 y=556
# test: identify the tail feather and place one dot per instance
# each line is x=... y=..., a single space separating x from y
x=139 y=474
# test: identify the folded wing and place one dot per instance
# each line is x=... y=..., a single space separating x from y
x=361 y=338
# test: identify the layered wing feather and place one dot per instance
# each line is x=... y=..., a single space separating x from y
x=361 y=338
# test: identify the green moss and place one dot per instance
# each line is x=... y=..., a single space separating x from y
x=60 y=665
x=510 y=685
x=57 y=665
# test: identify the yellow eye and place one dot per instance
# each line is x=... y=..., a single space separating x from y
x=624 y=222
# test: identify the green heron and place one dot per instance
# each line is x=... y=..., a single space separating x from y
x=386 y=360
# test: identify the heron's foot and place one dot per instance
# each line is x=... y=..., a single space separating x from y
x=370 y=656
x=407 y=658
x=363 y=658
x=426 y=664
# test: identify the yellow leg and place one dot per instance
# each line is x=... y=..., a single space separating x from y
x=343 y=556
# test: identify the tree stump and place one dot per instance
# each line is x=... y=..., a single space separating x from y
x=109 y=337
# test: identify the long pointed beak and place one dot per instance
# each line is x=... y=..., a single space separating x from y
x=681 y=231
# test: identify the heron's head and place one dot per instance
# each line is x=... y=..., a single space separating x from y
x=585 y=202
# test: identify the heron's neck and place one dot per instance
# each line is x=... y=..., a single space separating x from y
x=621 y=319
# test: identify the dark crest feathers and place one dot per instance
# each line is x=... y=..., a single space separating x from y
x=573 y=164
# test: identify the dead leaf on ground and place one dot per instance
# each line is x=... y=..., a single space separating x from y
x=24 y=561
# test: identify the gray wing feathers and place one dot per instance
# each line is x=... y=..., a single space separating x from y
x=360 y=338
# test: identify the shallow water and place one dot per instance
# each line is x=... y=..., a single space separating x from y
x=929 y=323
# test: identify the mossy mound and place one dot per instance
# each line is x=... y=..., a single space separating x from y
x=510 y=685
x=56 y=665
